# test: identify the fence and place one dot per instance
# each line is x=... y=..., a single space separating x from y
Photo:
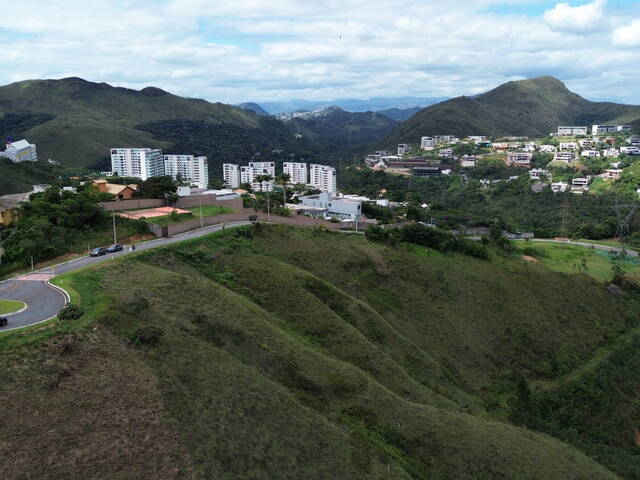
x=243 y=215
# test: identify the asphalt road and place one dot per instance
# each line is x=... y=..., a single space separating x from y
x=44 y=301
x=596 y=246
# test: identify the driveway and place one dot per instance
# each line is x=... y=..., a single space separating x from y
x=44 y=301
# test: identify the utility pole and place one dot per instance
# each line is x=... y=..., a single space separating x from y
x=115 y=235
x=564 y=234
x=201 y=221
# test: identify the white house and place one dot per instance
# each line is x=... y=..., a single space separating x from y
x=468 y=161
x=445 y=152
x=611 y=153
x=571 y=131
x=334 y=206
x=190 y=168
x=630 y=150
x=323 y=178
x=231 y=174
x=580 y=184
x=548 y=148
x=143 y=163
x=539 y=173
x=623 y=128
x=566 y=157
x=559 y=187
x=519 y=159
x=568 y=146
x=586 y=143
x=298 y=171
x=20 y=151
x=590 y=154
x=612 y=173
x=530 y=147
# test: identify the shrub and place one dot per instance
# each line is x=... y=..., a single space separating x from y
x=70 y=312
x=376 y=233
x=147 y=335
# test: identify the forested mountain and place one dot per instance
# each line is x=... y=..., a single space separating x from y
x=533 y=107
x=75 y=122
x=303 y=354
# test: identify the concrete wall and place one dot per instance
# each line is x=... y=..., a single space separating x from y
x=243 y=215
x=182 y=202
x=133 y=204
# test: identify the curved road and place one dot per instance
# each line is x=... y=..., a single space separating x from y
x=44 y=301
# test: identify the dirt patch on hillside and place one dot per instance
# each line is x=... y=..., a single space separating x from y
x=528 y=258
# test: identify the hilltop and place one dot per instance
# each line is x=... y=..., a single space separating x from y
x=75 y=122
x=275 y=352
x=533 y=108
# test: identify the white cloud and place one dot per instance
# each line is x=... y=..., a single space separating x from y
x=585 y=18
x=628 y=35
x=325 y=49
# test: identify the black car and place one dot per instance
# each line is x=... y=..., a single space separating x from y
x=3 y=321
x=114 y=248
x=98 y=252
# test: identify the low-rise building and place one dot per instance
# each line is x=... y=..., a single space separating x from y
x=630 y=150
x=612 y=173
x=603 y=129
x=519 y=159
x=404 y=148
x=121 y=192
x=623 y=128
x=329 y=205
x=559 y=187
x=590 y=154
x=468 y=161
x=539 y=174
x=580 y=184
x=565 y=157
x=20 y=151
x=427 y=143
x=568 y=146
x=548 y=148
x=445 y=152
x=431 y=171
x=611 y=153
x=571 y=131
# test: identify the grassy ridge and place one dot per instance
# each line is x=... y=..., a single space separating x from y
x=288 y=353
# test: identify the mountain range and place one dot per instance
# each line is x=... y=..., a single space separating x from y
x=533 y=108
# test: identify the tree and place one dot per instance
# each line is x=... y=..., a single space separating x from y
x=157 y=187
x=283 y=179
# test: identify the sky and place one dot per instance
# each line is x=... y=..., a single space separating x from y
x=257 y=50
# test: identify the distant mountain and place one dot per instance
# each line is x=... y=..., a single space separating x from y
x=253 y=107
x=533 y=108
x=399 y=114
x=75 y=122
x=340 y=130
x=350 y=105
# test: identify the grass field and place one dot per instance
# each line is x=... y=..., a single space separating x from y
x=10 y=306
x=574 y=259
x=207 y=211
x=274 y=352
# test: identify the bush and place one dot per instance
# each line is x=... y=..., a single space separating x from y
x=147 y=335
x=440 y=240
x=70 y=312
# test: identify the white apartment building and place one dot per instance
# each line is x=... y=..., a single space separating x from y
x=600 y=129
x=519 y=159
x=623 y=128
x=231 y=174
x=404 y=148
x=323 y=178
x=20 y=151
x=571 y=131
x=590 y=154
x=477 y=138
x=268 y=167
x=298 y=171
x=427 y=143
x=189 y=168
x=143 y=163
x=249 y=174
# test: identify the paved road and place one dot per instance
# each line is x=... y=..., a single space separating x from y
x=44 y=301
x=596 y=246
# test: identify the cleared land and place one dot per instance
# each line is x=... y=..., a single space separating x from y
x=195 y=212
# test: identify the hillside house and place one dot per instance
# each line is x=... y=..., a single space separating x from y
x=590 y=154
x=519 y=159
x=568 y=146
x=611 y=153
x=565 y=157
x=548 y=148
x=612 y=173
x=571 y=131
x=581 y=184
x=539 y=174
x=121 y=192
x=468 y=161
x=404 y=148
x=559 y=187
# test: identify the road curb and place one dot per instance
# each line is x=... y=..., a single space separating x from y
x=26 y=305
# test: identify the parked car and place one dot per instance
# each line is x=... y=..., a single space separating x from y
x=98 y=252
x=114 y=248
x=3 y=321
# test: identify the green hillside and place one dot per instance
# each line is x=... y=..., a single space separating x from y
x=75 y=121
x=274 y=352
x=21 y=177
x=533 y=108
